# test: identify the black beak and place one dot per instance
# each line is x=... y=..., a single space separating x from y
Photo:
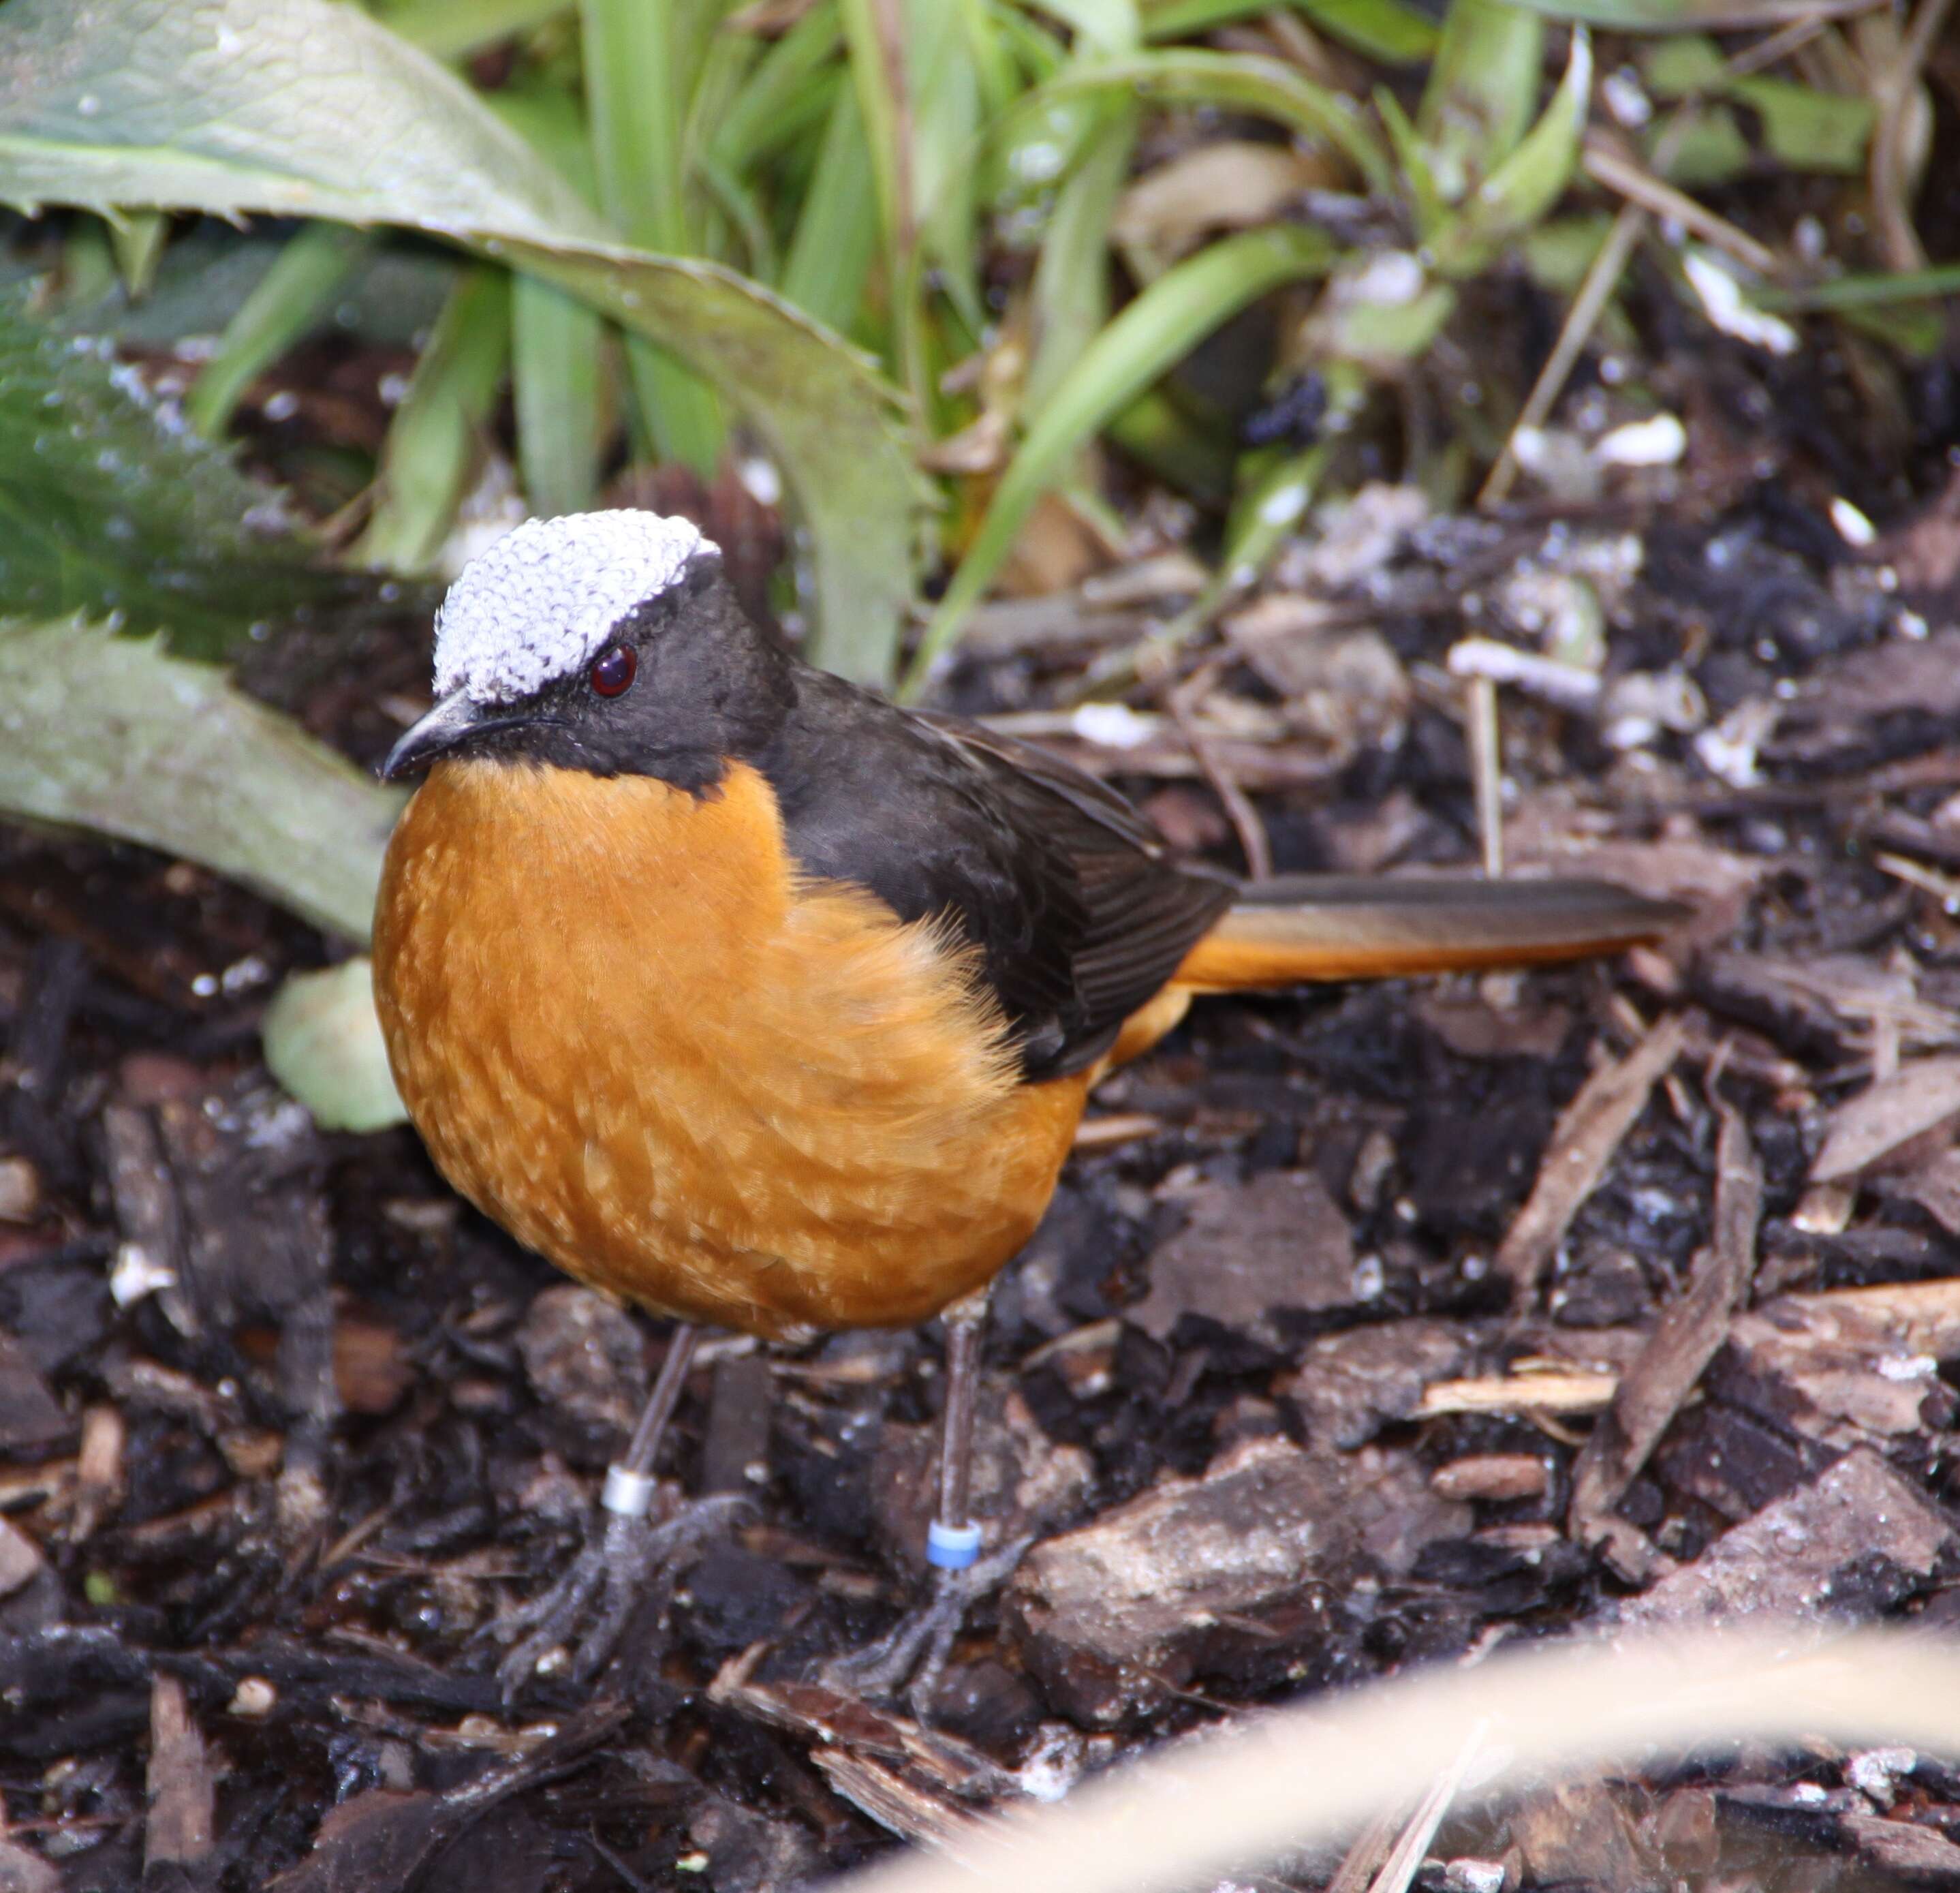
x=452 y=721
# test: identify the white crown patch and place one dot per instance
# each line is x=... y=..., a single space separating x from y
x=543 y=601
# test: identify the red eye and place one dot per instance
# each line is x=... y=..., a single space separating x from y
x=611 y=671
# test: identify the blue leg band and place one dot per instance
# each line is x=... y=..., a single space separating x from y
x=952 y=1548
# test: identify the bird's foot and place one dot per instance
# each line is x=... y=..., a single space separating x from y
x=918 y=1646
x=618 y=1566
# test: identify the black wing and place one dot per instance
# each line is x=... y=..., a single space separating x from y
x=1078 y=910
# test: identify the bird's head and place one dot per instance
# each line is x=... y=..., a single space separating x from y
x=610 y=642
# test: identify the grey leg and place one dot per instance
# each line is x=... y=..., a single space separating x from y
x=612 y=1572
x=919 y=1646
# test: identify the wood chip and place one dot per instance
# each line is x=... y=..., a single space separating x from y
x=182 y=1786
x=1578 y=1392
x=1853 y=1366
x=98 y=1489
x=1589 y=1130
x=1119 y=1613
x=20 y=1560
x=1853 y=1542
x=30 y=1416
x=921 y=1784
x=1691 y=1327
x=1921 y=1098
x=1493 y=1476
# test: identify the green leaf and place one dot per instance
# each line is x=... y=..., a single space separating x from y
x=1865 y=292
x=1240 y=81
x=1481 y=90
x=1558 y=252
x=110 y=733
x=434 y=439
x=1187 y=455
x=1383 y=29
x=303 y=108
x=1682 y=64
x=1154 y=332
x=556 y=341
x=945 y=112
x=637 y=87
x=837 y=234
x=1071 y=285
x=1530 y=181
x=774 y=96
x=287 y=303
x=554 y=384
x=881 y=113
x=1101 y=26
x=1709 y=149
x=108 y=504
x=323 y=1044
x=1806 y=129
x=454 y=29
x=137 y=238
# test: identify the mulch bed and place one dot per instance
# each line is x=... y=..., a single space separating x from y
x=1371 y=1327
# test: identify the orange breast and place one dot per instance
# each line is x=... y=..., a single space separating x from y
x=628 y=1033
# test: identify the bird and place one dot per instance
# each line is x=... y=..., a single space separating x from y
x=747 y=996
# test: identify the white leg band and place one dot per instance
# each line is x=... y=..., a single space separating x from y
x=952 y=1548
x=628 y=1495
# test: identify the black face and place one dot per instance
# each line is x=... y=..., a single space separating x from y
x=687 y=683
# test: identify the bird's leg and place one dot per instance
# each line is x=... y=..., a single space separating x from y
x=610 y=1574
x=918 y=1646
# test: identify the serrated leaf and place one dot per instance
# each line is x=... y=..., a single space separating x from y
x=109 y=503
x=113 y=734
x=302 y=107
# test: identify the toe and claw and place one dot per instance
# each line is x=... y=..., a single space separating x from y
x=919 y=1646
x=616 y=1569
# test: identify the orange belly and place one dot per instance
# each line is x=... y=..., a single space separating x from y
x=630 y=1035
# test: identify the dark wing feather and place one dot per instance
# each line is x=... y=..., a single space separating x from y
x=1078 y=910
x=1144 y=909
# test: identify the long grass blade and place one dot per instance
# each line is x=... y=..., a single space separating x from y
x=837 y=235
x=1383 y=29
x=1151 y=335
x=1238 y=81
x=770 y=109
x=636 y=91
x=434 y=441
x=557 y=342
x=1071 y=285
x=285 y=305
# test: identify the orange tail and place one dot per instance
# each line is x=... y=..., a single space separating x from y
x=1310 y=927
